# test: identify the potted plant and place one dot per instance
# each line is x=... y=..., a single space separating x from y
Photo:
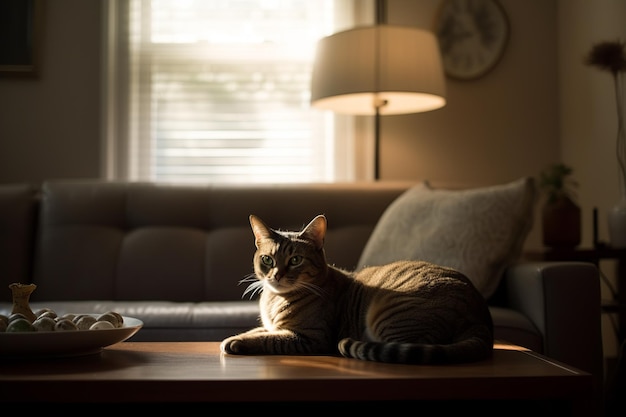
x=560 y=215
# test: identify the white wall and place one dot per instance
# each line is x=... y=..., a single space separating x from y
x=495 y=129
x=50 y=125
x=588 y=114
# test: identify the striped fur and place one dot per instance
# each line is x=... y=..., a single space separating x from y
x=404 y=312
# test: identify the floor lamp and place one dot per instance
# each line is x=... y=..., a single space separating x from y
x=378 y=70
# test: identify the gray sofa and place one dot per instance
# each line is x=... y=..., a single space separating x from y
x=173 y=256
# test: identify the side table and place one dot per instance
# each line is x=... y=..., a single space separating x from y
x=615 y=383
x=595 y=255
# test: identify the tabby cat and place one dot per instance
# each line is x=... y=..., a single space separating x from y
x=404 y=312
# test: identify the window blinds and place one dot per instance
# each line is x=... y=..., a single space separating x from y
x=218 y=91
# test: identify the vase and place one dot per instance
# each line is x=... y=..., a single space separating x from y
x=617 y=224
x=561 y=223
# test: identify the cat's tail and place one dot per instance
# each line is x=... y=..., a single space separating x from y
x=468 y=350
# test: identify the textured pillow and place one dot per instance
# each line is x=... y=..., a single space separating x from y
x=477 y=231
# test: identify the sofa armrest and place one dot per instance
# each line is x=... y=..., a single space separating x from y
x=562 y=299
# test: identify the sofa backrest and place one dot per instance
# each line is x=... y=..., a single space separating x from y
x=146 y=241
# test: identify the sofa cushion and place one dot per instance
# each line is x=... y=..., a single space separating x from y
x=477 y=231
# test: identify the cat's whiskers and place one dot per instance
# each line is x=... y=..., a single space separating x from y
x=255 y=287
x=249 y=278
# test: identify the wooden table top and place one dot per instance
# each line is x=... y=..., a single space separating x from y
x=199 y=372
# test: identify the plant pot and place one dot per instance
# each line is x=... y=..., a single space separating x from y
x=561 y=223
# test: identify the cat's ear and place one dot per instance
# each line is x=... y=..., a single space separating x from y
x=315 y=231
x=260 y=229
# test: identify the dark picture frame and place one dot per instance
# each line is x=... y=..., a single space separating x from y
x=20 y=37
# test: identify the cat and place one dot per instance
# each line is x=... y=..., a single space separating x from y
x=411 y=312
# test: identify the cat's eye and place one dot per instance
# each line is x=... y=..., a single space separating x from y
x=267 y=261
x=295 y=260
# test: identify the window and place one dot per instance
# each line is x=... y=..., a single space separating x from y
x=212 y=91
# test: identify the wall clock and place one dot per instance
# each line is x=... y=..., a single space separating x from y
x=472 y=36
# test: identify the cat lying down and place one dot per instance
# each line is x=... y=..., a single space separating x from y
x=405 y=312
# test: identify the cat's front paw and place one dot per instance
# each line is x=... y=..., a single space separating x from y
x=234 y=346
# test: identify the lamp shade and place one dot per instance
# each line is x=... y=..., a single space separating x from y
x=357 y=69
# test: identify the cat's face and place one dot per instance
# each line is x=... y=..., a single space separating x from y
x=289 y=261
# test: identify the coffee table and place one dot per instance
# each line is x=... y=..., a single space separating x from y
x=177 y=373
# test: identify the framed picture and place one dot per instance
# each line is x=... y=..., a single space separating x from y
x=20 y=37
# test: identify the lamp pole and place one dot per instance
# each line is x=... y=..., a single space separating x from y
x=381 y=18
x=378 y=104
x=381 y=78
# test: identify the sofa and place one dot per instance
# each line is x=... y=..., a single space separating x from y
x=174 y=256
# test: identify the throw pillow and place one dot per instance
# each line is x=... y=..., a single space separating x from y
x=477 y=231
